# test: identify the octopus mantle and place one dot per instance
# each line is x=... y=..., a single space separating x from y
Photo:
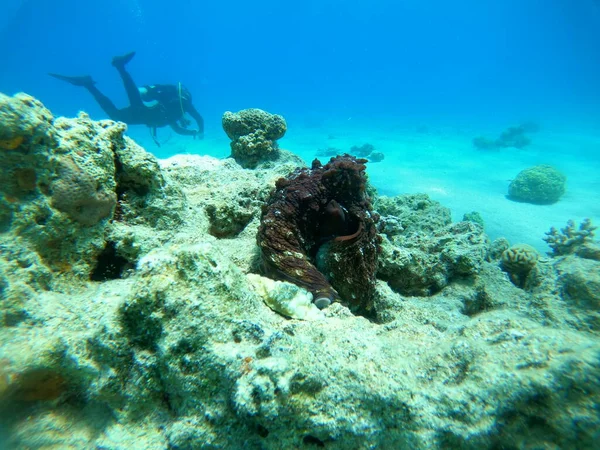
x=318 y=231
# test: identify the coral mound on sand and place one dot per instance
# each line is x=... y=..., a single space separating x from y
x=541 y=185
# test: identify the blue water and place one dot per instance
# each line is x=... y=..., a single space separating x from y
x=377 y=61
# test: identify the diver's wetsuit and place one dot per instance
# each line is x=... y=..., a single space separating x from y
x=170 y=102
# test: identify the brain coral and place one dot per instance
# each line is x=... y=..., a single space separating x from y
x=253 y=133
x=518 y=261
x=541 y=185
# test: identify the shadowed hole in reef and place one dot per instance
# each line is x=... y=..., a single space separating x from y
x=262 y=431
x=311 y=440
x=110 y=266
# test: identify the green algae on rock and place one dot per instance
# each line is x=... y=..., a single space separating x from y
x=181 y=350
x=422 y=250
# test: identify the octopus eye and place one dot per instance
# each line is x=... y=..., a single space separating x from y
x=322 y=302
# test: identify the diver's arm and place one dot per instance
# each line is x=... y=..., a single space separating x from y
x=189 y=108
x=184 y=131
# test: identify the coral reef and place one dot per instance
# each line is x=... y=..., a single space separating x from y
x=367 y=151
x=423 y=251
x=254 y=135
x=579 y=279
x=474 y=217
x=542 y=185
x=573 y=276
x=519 y=261
x=423 y=264
x=64 y=191
x=497 y=248
x=411 y=214
x=571 y=239
x=483 y=143
x=362 y=151
x=322 y=217
x=57 y=176
x=514 y=137
x=328 y=152
x=376 y=157
x=511 y=137
x=184 y=349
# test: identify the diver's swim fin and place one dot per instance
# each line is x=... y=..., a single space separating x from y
x=75 y=81
x=120 y=61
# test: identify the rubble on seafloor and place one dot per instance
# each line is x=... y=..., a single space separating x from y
x=134 y=316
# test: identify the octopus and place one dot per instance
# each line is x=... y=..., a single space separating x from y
x=318 y=231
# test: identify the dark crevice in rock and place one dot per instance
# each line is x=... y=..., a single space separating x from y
x=262 y=431
x=110 y=265
x=311 y=440
x=127 y=183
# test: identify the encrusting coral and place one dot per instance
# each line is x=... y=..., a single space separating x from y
x=318 y=231
x=77 y=194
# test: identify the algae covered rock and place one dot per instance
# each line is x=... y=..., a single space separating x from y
x=580 y=279
x=58 y=185
x=254 y=134
x=25 y=122
x=541 y=185
x=424 y=251
x=69 y=184
x=182 y=347
x=474 y=217
x=411 y=213
x=425 y=264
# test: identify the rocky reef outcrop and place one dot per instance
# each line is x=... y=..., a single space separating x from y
x=422 y=250
x=254 y=134
x=146 y=324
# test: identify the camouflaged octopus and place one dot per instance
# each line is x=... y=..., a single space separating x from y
x=319 y=232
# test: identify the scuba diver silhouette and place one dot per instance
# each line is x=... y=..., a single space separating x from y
x=156 y=106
